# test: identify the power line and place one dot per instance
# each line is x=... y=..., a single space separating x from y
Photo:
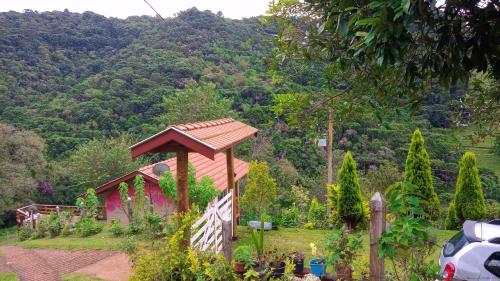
x=158 y=14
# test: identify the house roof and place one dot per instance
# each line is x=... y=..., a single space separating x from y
x=207 y=138
x=215 y=169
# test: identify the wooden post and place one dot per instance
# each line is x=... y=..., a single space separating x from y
x=182 y=180
x=226 y=239
x=330 y=147
x=377 y=227
x=232 y=187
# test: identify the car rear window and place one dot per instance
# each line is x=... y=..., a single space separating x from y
x=454 y=245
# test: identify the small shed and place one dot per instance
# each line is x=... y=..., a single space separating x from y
x=207 y=138
x=215 y=169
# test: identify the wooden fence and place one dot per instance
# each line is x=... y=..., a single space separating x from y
x=25 y=213
x=208 y=230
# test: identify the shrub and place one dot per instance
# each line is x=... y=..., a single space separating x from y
x=117 y=228
x=332 y=199
x=408 y=244
x=55 y=226
x=260 y=190
x=24 y=233
x=493 y=208
x=88 y=226
x=350 y=203
x=291 y=217
x=129 y=245
x=172 y=260
x=452 y=221
x=316 y=214
x=152 y=225
x=90 y=203
x=66 y=231
x=42 y=227
x=418 y=172
x=469 y=199
x=135 y=226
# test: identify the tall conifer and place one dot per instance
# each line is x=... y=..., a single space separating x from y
x=350 y=202
x=418 y=172
x=469 y=199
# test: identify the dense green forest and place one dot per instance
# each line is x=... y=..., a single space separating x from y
x=89 y=86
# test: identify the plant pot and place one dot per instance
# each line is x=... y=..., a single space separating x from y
x=299 y=266
x=344 y=272
x=239 y=267
x=277 y=271
x=318 y=267
x=256 y=225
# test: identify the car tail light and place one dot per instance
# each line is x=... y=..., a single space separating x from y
x=449 y=272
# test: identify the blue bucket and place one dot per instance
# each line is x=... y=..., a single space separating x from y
x=318 y=267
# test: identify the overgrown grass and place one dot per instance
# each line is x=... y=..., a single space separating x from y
x=297 y=239
x=80 y=277
x=482 y=149
x=8 y=276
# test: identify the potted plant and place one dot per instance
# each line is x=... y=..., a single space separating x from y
x=258 y=244
x=298 y=261
x=277 y=264
x=318 y=265
x=342 y=249
x=242 y=259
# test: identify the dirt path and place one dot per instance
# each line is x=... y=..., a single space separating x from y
x=51 y=264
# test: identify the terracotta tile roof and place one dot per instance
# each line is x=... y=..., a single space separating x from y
x=215 y=169
x=207 y=138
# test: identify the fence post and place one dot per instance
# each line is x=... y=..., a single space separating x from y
x=377 y=227
x=227 y=237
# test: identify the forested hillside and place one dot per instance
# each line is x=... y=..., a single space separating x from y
x=74 y=78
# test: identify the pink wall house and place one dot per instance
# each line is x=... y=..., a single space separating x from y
x=215 y=169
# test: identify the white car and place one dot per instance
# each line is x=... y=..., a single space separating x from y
x=473 y=253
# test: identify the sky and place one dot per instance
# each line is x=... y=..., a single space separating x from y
x=235 y=9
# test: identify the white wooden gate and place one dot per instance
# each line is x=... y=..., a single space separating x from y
x=208 y=229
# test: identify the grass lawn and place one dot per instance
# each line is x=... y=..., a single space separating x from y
x=8 y=277
x=80 y=277
x=103 y=240
x=482 y=149
x=298 y=239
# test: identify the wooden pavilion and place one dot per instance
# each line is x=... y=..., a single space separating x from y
x=206 y=138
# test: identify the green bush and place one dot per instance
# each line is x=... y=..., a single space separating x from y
x=469 y=199
x=291 y=217
x=418 y=172
x=66 y=231
x=117 y=228
x=172 y=260
x=42 y=227
x=135 y=226
x=153 y=226
x=332 y=200
x=350 y=203
x=24 y=233
x=316 y=214
x=452 y=222
x=55 y=226
x=88 y=226
x=493 y=209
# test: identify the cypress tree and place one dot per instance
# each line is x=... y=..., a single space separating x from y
x=418 y=172
x=350 y=203
x=469 y=199
x=452 y=221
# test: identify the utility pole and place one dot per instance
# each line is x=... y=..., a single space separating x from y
x=330 y=146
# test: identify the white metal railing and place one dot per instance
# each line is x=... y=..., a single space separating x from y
x=208 y=229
